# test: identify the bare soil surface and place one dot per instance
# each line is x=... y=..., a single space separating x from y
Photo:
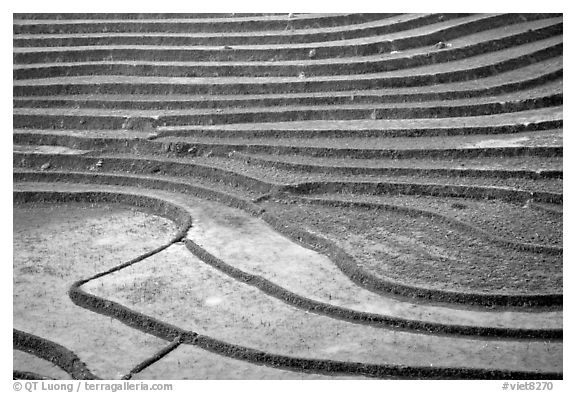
x=384 y=124
x=285 y=176
x=23 y=361
x=536 y=138
x=425 y=253
x=466 y=64
x=474 y=38
x=502 y=163
x=56 y=245
x=522 y=222
x=151 y=101
x=246 y=169
x=94 y=133
x=176 y=287
x=47 y=150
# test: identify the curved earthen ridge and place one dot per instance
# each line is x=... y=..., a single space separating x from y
x=48 y=350
x=261 y=112
x=28 y=375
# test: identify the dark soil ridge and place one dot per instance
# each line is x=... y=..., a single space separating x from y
x=258 y=179
x=52 y=352
x=377 y=27
x=147 y=102
x=182 y=147
x=148 y=166
x=154 y=358
x=132 y=143
x=223 y=25
x=157 y=206
x=411 y=129
x=497 y=58
x=173 y=167
x=277 y=162
x=465 y=127
x=235 y=200
x=365 y=46
x=400 y=35
x=198 y=147
x=95 y=118
x=176 y=335
x=430 y=189
x=449 y=221
x=540 y=74
x=341 y=259
x=27 y=375
x=154 y=168
x=259 y=85
x=548 y=208
x=150 y=102
x=178 y=62
x=272 y=37
x=66 y=16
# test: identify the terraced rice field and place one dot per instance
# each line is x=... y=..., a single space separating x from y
x=273 y=196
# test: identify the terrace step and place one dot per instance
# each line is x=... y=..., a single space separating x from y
x=261 y=179
x=341 y=52
x=341 y=32
x=139 y=143
x=118 y=118
x=223 y=102
x=164 y=24
x=121 y=16
x=363 y=134
x=490 y=124
x=484 y=215
x=192 y=185
x=503 y=167
x=109 y=64
x=531 y=68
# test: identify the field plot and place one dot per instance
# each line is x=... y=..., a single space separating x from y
x=274 y=196
x=58 y=245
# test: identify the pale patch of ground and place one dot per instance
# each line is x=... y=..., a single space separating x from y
x=548 y=138
x=23 y=361
x=42 y=149
x=56 y=245
x=512 y=142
